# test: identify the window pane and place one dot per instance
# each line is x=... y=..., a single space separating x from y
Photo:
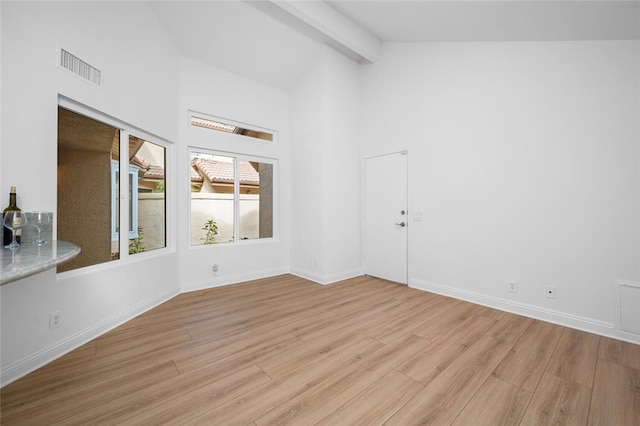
x=86 y=191
x=256 y=200
x=212 y=198
x=218 y=126
x=147 y=204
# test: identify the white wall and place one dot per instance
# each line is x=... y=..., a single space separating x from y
x=326 y=244
x=307 y=158
x=525 y=162
x=221 y=94
x=140 y=70
x=342 y=167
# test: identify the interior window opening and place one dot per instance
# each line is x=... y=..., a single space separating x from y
x=90 y=190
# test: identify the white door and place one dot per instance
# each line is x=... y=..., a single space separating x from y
x=386 y=217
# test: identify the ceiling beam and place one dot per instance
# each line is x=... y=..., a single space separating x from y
x=336 y=29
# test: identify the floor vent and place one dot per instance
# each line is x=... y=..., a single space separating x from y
x=77 y=66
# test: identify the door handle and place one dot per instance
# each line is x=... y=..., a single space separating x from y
x=401 y=224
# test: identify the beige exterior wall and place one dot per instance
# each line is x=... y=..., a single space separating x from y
x=151 y=218
x=84 y=205
x=222 y=204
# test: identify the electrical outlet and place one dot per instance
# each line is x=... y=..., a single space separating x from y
x=215 y=267
x=54 y=319
x=513 y=286
x=551 y=292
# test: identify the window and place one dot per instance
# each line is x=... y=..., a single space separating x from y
x=231 y=198
x=92 y=154
x=211 y=124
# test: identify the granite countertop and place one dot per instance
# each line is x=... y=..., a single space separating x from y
x=30 y=259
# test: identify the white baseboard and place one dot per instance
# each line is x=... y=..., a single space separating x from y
x=325 y=279
x=232 y=279
x=548 y=315
x=32 y=362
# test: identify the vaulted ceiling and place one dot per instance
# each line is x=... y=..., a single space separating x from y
x=272 y=41
x=416 y=21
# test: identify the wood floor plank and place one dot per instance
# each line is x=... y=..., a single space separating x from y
x=41 y=381
x=405 y=316
x=192 y=400
x=443 y=399
x=261 y=400
x=295 y=322
x=558 y=402
x=312 y=406
x=526 y=362
x=140 y=342
x=496 y=403
x=616 y=395
x=219 y=381
x=59 y=405
x=575 y=357
x=510 y=327
x=362 y=318
x=300 y=356
x=240 y=344
x=623 y=353
x=444 y=318
x=376 y=403
x=435 y=358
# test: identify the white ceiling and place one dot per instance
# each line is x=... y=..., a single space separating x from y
x=424 y=20
x=236 y=37
x=264 y=42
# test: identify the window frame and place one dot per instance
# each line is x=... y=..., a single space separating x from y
x=238 y=158
x=126 y=130
x=222 y=125
x=132 y=212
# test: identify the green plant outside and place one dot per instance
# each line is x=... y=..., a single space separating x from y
x=211 y=229
x=136 y=245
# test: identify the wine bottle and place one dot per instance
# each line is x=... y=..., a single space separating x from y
x=7 y=235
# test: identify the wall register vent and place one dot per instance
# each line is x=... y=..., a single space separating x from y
x=77 y=66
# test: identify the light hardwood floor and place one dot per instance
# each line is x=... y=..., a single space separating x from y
x=364 y=351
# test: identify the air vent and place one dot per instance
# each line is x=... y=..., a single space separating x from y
x=80 y=68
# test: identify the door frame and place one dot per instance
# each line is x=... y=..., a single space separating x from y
x=364 y=205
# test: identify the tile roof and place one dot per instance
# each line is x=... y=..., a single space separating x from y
x=154 y=172
x=195 y=175
x=222 y=172
x=139 y=162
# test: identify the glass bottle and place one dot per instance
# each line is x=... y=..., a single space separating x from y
x=6 y=239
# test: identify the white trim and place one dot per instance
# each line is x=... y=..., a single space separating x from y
x=548 y=315
x=94 y=114
x=325 y=279
x=222 y=120
x=123 y=192
x=132 y=202
x=21 y=367
x=232 y=279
